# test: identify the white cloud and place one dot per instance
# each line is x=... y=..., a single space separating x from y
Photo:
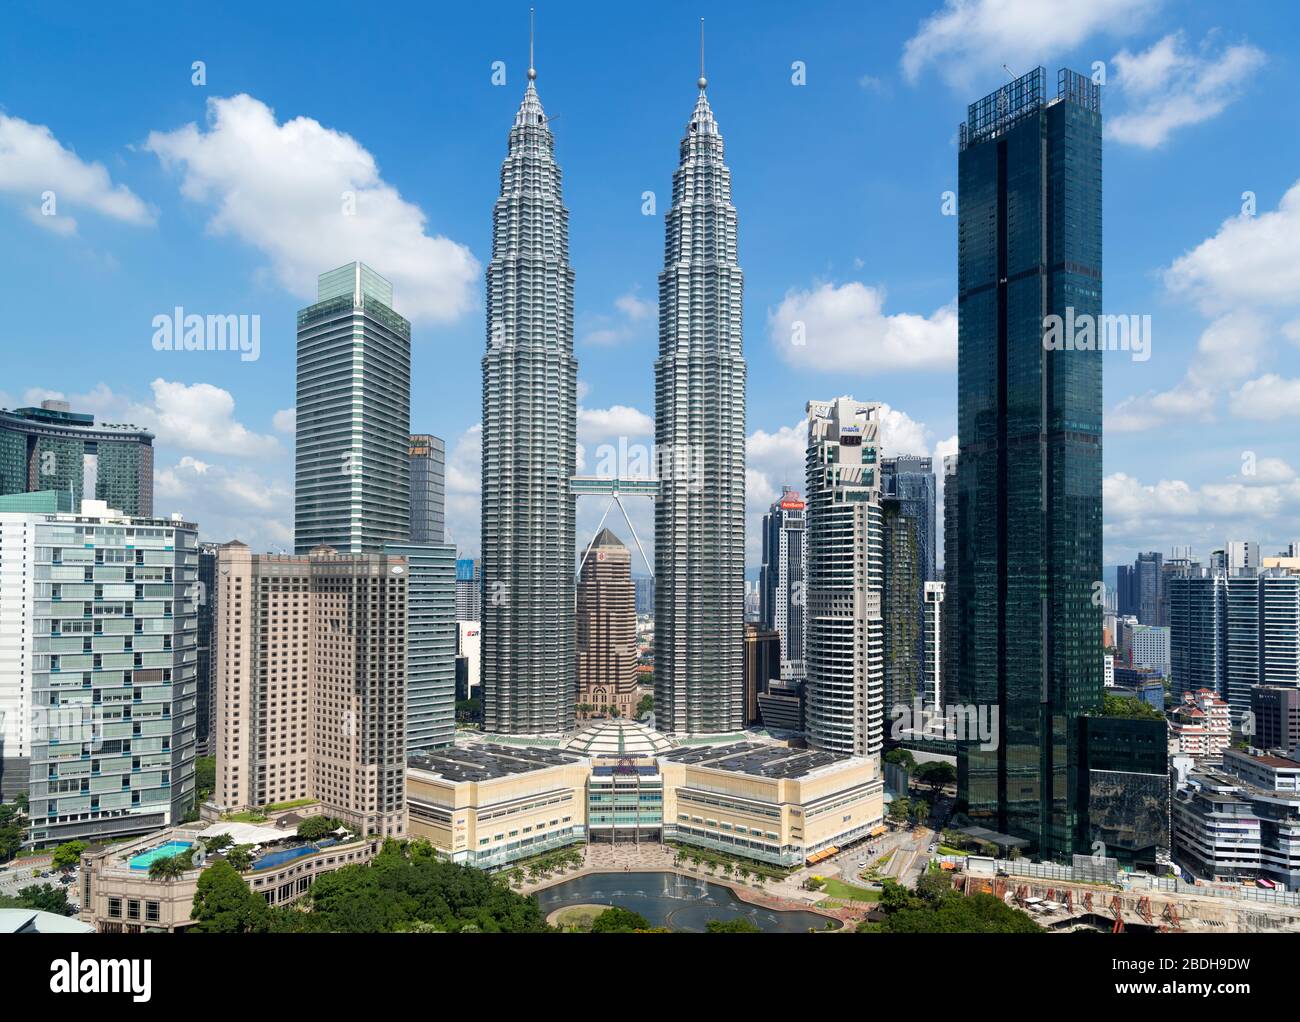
x=464 y=487
x=1270 y=397
x=33 y=161
x=597 y=424
x=845 y=329
x=285 y=420
x=603 y=330
x=228 y=503
x=280 y=187
x=1251 y=260
x=970 y=38
x=1168 y=87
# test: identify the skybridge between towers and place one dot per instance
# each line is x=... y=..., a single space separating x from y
x=616 y=489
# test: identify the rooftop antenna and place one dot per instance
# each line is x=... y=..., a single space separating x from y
x=704 y=82
x=1009 y=72
x=532 y=32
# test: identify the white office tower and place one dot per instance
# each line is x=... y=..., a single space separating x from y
x=845 y=689
x=1241 y=555
x=700 y=434
x=782 y=582
x=934 y=651
x=530 y=392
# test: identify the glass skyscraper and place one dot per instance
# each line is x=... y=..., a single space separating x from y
x=700 y=435
x=783 y=580
x=1030 y=445
x=352 y=488
x=530 y=395
x=54 y=448
x=907 y=498
x=428 y=488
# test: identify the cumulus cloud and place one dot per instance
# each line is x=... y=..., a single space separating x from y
x=597 y=424
x=285 y=420
x=33 y=162
x=1270 y=397
x=845 y=329
x=606 y=330
x=1249 y=261
x=1168 y=87
x=228 y=503
x=966 y=39
x=311 y=198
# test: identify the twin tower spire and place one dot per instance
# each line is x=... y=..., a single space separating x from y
x=530 y=443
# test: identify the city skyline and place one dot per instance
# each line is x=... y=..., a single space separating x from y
x=224 y=461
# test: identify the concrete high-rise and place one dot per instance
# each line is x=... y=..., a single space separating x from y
x=782 y=580
x=607 y=651
x=530 y=393
x=311 y=683
x=98 y=659
x=1029 y=440
x=55 y=448
x=352 y=479
x=844 y=695
x=700 y=435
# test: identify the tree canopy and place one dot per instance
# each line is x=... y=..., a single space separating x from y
x=223 y=903
x=738 y=925
x=619 y=920
x=934 y=907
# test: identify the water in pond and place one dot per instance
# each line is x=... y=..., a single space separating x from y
x=678 y=902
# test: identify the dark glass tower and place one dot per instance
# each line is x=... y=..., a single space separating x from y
x=1029 y=471
x=907 y=500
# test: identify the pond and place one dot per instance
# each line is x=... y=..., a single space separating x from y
x=681 y=903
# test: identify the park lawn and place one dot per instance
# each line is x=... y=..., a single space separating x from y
x=579 y=916
x=849 y=892
x=949 y=850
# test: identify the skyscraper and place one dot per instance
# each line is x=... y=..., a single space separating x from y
x=352 y=488
x=844 y=703
x=55 y=448
x=428 y=488
x=782 y=580
x=607 y=652
x=700 y=435
x=310 y=704
x=469 y=592
x=907 y=496
x=1029 y=432
x=104 y=656
x=530 y=393
x=951 y=566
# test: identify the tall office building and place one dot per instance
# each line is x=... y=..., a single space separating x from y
x=1148 y=593
x=1029 y=432
x=607 y=651
x=311 y=672
x=762 y=666
x=907 y=496
x=645 y=594
x=782 y=580
x=204 y=703
x=100 y=628
x=430 y=644
x=530 y=388
x=54 y=448
x=469 y=590
x=700 y=434
x=844 y=704
x=951 y=564
x=1241 y=555
x=1197 y=638
x=352 y=479
x=428 y=488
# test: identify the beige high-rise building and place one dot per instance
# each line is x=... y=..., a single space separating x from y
x=607 y=650
x=310 y=654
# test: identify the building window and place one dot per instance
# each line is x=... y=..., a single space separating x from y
x=114 y=908
x=152 y=911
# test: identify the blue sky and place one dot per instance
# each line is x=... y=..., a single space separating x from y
x=224 y=198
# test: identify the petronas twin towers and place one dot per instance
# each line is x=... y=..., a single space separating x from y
x=530 y=445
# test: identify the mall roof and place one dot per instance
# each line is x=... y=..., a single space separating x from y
x=487 y=762
x=761 y=759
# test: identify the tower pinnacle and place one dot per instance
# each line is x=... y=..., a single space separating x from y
x=703 y=82
x=532 y=32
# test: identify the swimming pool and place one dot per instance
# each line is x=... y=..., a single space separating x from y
x=289 y=854
x=145 y=859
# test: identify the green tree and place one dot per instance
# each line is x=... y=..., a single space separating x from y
x=240 y=857
x=217 y=843
x=936 y=774
x=316 y=827
x=619 y=920
x=41 y=898
x=738 y=925
x=205 y=778
x=900 y=809
x=646 y=705
x=13 y=826
x=68 y=855
x=901 y=757
x=224 y=904
x=1128 y=706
